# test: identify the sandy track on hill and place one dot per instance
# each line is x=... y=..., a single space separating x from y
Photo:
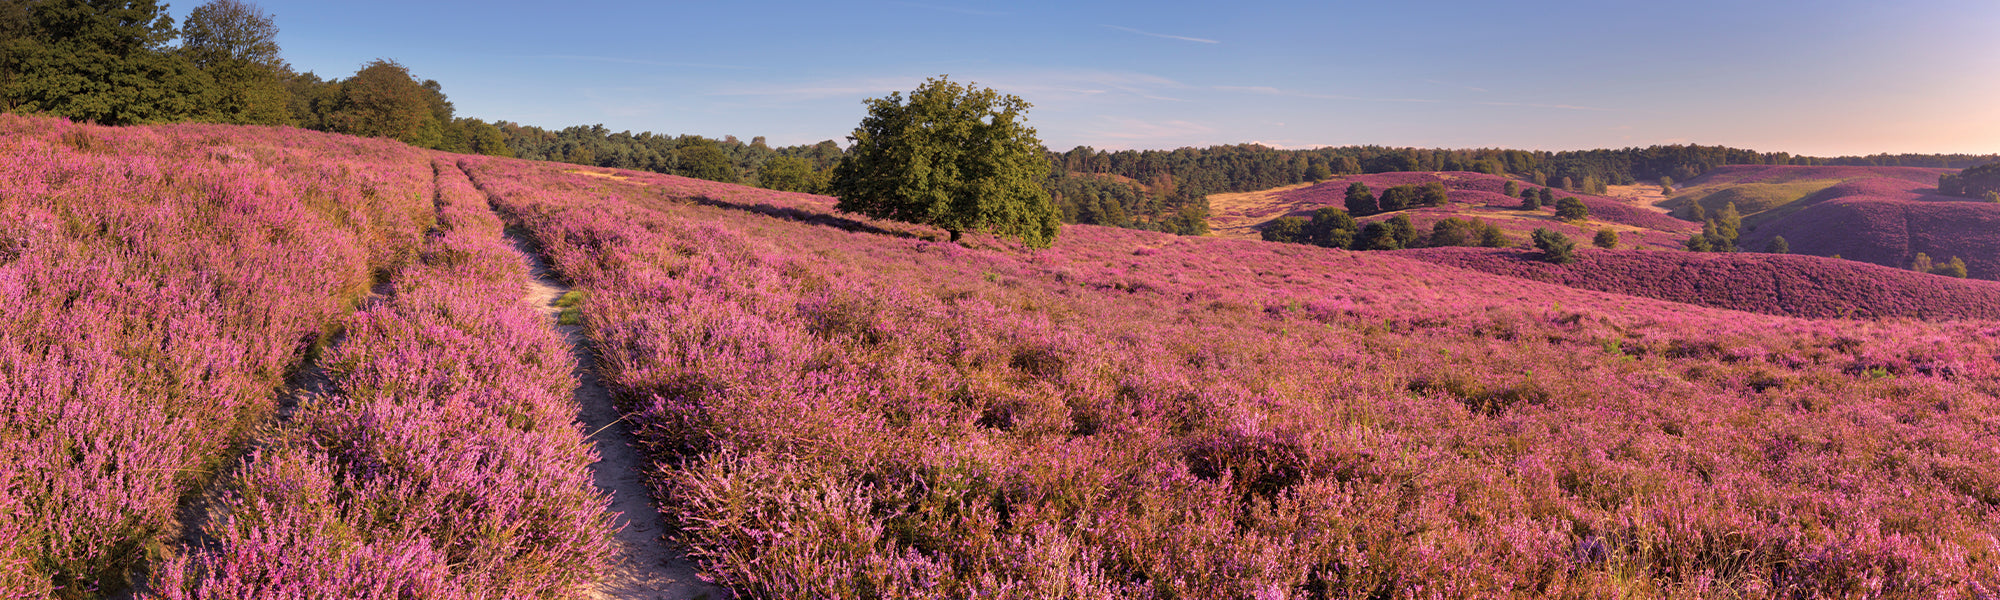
x=645 y=566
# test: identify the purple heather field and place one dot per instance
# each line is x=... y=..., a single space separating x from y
x=833 y=406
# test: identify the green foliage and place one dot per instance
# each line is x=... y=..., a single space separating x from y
x=1404 y=232
x=1923 y=264
x=1955 y=268
x=1547 y=196
x=1572 y=209
x=1531 y=200
x=236 y=43
x=700 y=158
x=383 y=100
x=101 y=61
x=1434 y=194
x=1331 y=228
x=1376 y=236
x=1512 y=189
x=1778 y=245
x=1991 y=196
x=1318 y=172
x=1361 y=200
x=1454 y=231
x=1666 y=184
x=790 y=174
x=954 y=156
x=1606 y=239
x=1289 y=230
x=1399 y=198
x=1556 y=247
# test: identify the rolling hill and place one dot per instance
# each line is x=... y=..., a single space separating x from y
x=1472 y=195
x=1879 y=215
x=1776 y=284
x=836 y=406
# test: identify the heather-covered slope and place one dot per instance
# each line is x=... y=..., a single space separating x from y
x=1472 y=195
x=1880 y=215
x=1777 y=284
x=842 y=408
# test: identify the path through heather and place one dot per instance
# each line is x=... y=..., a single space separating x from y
x=644 y=565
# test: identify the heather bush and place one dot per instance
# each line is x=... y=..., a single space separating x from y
x=159 y=284
x=450 y=462
x=838 y=411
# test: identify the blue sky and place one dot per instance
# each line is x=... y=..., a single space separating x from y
x=1827 y=77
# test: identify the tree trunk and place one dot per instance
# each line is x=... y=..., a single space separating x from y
x=954 y=234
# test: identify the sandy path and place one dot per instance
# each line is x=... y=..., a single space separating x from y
x=645 y=566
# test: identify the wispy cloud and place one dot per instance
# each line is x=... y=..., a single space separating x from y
x=1552 y=106
x=1263 y=90
x=650 y=63
x=952 y=9
x=1457 y=85
x=1044 y=87
x=1162 y=35
x=1125 y=132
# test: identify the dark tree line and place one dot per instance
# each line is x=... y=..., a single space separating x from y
x=1977 y=182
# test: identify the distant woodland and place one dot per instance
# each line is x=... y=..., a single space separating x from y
x=120 y=62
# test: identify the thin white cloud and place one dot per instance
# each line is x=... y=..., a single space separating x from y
x=952 y=9
x=1553 y=106
x=650 y=63
x=1127 y=129
x=1264 y=90
x=1457 y=85
x=1162 y=35
x=1042 y=87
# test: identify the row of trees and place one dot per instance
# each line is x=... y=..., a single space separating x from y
x=1362 y=201
x=115 y=62
x=1335 y=228
x=1982 y=182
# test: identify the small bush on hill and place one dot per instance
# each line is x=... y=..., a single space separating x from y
x=1778 y=245
x=1290 y=230
x=1606 y=239
x=1556 y=247
x=1361 y=200
x=1572 y=209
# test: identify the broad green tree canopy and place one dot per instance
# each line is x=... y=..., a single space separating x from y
x=959 y=157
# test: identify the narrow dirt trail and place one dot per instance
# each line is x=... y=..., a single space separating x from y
x=645 y=566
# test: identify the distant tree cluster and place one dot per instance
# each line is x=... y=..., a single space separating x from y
x=1362 y=202
x=112 y=62
x=1982 y=182
x=1923 y=264
x=1335 y=228
x=1718 y=233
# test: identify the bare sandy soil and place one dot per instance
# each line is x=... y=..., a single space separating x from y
x=645 y=565
x=1642 y=195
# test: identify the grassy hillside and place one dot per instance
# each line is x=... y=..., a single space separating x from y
x=1777 y=284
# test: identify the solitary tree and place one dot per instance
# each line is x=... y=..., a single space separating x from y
x=960 y=157
x=1434 y=194
x=1556 y=247
x=1606 y=239
x=1571 y=209
x=1778 y=245
x=1512 y=189
x=1361 y=200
